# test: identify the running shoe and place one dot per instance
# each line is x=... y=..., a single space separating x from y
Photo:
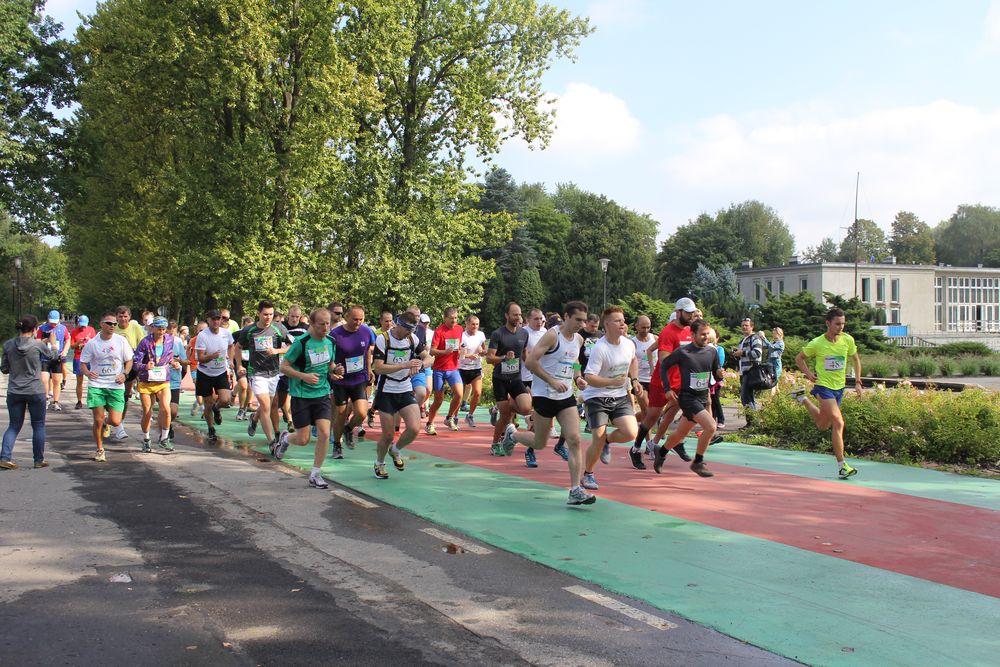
x=588 y=481
x=213 y=438
x=464 y=408
x=56 y=406
x=100 y=457
x=252 y=426
x=338 y=452
x=650 y=450
x=507 y=441
x=397 y=459
x=107 y=430
x=119 y=435
x=166 y=445
x=661 y=455
x=171 y=433
x=716 y=439
x=371 y=420
x=494 y=415
x=606 y=452
x=317 y=482
x=146 y=448
x=430 y=430
x=701 y=469
x=349 y=438
x=281 y=446
x=847 y=471
x=529 y=458
x=578 y=496
x=470 y=420
x=798 y=394
x=290 y=427
x=496 y=449
x=218 y=415
x=79 y=405
x=361 y=433
x=314 y=432
x=194 y=408
x=241 y=414
x=380 y=471
x=452 y=423
x=561 y=451
x=636 y=457
x=681 y=452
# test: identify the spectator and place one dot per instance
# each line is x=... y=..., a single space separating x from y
x=776 y=349
x=749 y=352
x=25 y=360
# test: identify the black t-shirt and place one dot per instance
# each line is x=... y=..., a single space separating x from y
x=301 y=328
x=589 y=340
x=697 y=366
x=503 y=340
x=257 y=340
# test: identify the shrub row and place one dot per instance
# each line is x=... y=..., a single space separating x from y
x=927 y=366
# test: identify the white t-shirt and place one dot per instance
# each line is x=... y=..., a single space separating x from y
x=608 y=361
x=533 y=338
x=399 y=352
x=107 y=358
x=472 y=343
x=209 y=343
x=642 y=354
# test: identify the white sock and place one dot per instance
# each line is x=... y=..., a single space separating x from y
x=315 y=472
x=394 y=449
x=145 y=435
x=380 y=462
x=164 y=434
x=119 y=429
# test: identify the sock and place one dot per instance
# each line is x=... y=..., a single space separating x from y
x=315 y=472
x=164 y=434
x=394 y=449
x=588 y=472
x=698 y=458
x=575 y=488
x=561 y=442
x=841 y=464
x=643 y=432
x=145 y=435
x=380 y=462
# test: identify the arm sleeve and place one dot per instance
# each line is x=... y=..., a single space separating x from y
x=852 y=348
x=596 y=362
x=437 y=341
x=495 y=340
x=294 y=352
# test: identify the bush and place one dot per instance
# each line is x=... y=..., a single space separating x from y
x=969 y=366
x=903 y=424
x=968 y=348
x=879 y=367
x=990 y=366
x=923 y=367
x=947 y=366
x=903 y=368
x=793 y=345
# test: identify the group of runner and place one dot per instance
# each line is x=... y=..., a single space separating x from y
x=329 y=372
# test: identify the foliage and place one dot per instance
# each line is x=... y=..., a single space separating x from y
x=866 y=242
x=969 y=366
x=797 y=314
x=902 y=424
x=877 y=367
x=826 y=251
x=923 y=367
x=947 y=366
x=903 y=368
x=965 y=347
x=970 y=237
x=657 y=311
x=990 y=366
x=911 y=240
x=793 y=345
x=45 y=280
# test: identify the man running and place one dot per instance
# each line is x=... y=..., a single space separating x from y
x=309 y=366
x=353 y=341
x=176 y=375
x=154 y=358
x=399 y=355
x=214 y=350
x=198 y=403
x=133 y=333
x=297 y=326
x=470 y=366
x=645 y=352
x=824 y=361
x=79 y=337
x=591 y=333
x=506 y=352
x=610 y=373
x=54 y=326
x=554 y=365
x=699 y=364
x=242 y=388
x=385 y=322
x=265 y=340
x=446 y=348
x=106 y=361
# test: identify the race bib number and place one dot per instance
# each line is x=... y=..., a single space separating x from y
x=510 y=366
x=263 y=343
x=399 y=356
x=219 y=363
x=699 y=381
x=354 y=364
x=319 y=357
x=619 y=370
x=245 y=355
x=107 y=370
x=157 y=374
x=644 y=363
x=834 y=363
x=565 y=370
x=451 y=344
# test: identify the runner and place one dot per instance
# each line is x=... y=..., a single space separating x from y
x=824 y=362
x=353 y=343
x=308 y=364
x=192 y=356
x=79 y=337
x=399 y=355
x=133 y=333
x=419 y=380
x=384 y=324
x=155 y=357
x=446 y=348
x=56 y=363
x=336 y=309
x=214 y=349
x=611 y=371
x=242 y=355
x=25 y=360
x=505 y=352
x=297 y=326
x=263 y=341
x=590 y=333
x=176 y=375
x=699 y=364
x=676 y=333
x=106 y=361
x=554 y=365
x=228 y=322
x=645 y=352
x=470 y=366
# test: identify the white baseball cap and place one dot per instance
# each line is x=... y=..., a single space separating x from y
x=424 y=317
x=685 y=304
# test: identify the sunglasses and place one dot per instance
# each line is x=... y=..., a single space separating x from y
x=338 y=312
x=109 y=324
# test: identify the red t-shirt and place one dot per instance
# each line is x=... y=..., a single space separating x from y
x=447 y=339
x=80 y=336
x=671 y=338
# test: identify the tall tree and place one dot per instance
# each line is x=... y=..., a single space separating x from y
x=970 y=237
x=826 y=251
x=868 y=243
x=911 y=240
x=762 y=235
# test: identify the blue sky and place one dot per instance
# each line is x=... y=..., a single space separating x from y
x=678 y=108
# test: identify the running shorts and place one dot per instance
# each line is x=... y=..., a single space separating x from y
x=504 y=389
x=602 y=411
x=469 y=375
x=262 y=384
x=206 y=385
x=351 y=392
x=307 y=411
x=451 y=377
x=550 y=408
x=390 y=404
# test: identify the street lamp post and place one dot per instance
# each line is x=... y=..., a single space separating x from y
x=604 y=267
x=17 y=280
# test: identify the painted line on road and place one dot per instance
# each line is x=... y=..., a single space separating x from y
x=457 y=541
x=621 y=607
x=357 y=500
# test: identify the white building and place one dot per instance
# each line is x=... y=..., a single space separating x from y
x=917 y=298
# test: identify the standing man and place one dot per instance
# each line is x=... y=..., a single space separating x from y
x=79 y=337
x=106 y=360
x=266 y=341
x=446 y=348
x=353 y=341
x=505 y=352
x=133 y=333
x=214 y=351
x=470 y=365
x=749 y=352
x=54 y=326
x=308 y=364
x=824 y=361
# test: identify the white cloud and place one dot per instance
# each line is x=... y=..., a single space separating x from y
x=591 y=123
x=926 y=159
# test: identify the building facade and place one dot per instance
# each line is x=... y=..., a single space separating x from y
x=916 y=298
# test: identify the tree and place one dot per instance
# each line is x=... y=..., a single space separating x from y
x=911 y=240
x=970 y=237
x=826 y=251
x=802 y=316
x=657 y=311
x=45 y=281
x=868 y=244
x=762 y=235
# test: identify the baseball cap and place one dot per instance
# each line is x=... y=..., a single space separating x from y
x=83 y=320
x=160 y=322
x=54 y=317
x=425 y=318
x=685 y=304
x=673 y=316
x=215 y=312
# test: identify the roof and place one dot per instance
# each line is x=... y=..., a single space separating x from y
x=869 y=267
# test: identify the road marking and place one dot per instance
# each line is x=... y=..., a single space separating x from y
x=457 y=541
x=357 y=500
x=621 y=607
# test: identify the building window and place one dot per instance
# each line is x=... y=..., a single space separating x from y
x=894 y=290
x=756 y=291
x=938 y=304
x=768 y=285
x=803 y=284
x=894 y=316
x=781 y=286
x=880 y=290
x=866 y=289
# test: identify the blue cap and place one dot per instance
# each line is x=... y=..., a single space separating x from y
x=160 y=322
x=54 y=316
x=83 y=320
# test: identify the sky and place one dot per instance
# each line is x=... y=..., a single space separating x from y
x=677 y=108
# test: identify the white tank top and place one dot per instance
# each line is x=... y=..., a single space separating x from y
x=558 y=362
